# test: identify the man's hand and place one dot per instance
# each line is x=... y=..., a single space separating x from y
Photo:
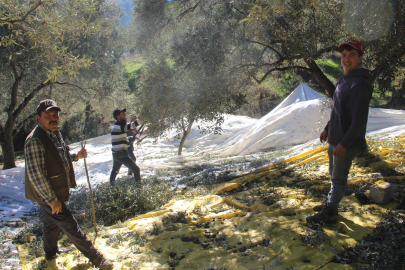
x=82 y=153
x=340 y=151
x=56 y=207
x=324 y=136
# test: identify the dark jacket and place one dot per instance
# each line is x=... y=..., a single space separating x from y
x=348 y=119
x=56 y=172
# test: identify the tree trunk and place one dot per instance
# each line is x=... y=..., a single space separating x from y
x=7 y=148
x=185 y=134
x=397 y=100
x=320 y=76
x=14 y=110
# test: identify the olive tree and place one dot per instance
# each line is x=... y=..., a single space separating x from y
x=296 y=33
x=293 y=34
x=52 y=49
x=188 y=77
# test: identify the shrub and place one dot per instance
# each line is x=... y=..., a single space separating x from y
x=119 y=203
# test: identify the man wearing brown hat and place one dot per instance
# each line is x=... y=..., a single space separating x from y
x=119 y=143
x=346 y=129
x=49 y=175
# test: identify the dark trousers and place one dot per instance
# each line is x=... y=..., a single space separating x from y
x=64 y=221
x=122 y=158
x=131 y=156
x=131 y=153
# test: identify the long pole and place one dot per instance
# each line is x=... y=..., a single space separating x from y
x=91 y=195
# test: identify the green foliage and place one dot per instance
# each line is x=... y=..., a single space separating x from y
x=283 y=84
x=188 y=61
x=64 y=50
x=47 y=28
x=270 y=36
x=329 y=64
x=76 y=129
x=121 y=202
x=133 y=68
x=133 y=78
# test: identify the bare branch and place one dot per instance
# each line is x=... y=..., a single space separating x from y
x=184 y=13
x=279 y=69
x=28 y=98
x=323 y=51
x=74 y=85
x=267 y=46
x=25 y=121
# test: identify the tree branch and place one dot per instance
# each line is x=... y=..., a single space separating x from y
x=25 y=16
x=25 y=121
x=267 y=46
x=319 y=53
x=278 y=69
x=28 y=98
x=184 y=13
x=14 y=91
x=74 y=85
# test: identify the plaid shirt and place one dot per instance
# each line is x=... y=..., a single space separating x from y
x=35 y=163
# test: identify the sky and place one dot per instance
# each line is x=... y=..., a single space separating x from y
x=292 y=123
x=128 y=6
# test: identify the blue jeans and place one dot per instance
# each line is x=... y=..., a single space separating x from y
x=339 y=168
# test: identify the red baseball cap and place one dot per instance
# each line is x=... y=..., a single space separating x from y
x=353 y=43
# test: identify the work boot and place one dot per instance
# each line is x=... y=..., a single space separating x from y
x=319 y=208
x=326 y=215
x=51 y=264
x=102 y=263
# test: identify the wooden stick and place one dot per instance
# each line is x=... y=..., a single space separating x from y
x=91 y=195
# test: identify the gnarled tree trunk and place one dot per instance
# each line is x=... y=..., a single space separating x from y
x=186 y=131
x=7 y=148
x=397 y=100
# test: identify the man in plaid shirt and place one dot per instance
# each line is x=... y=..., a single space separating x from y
x=49 y=176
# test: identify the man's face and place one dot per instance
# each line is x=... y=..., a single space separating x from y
x=350 y=60
x=49 y=119
x=122 y=116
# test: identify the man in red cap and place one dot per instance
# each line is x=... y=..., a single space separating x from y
x=346 y=129
x=49 y=175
